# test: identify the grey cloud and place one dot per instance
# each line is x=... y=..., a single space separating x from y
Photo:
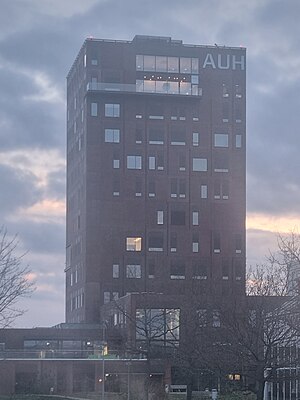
x=18 y=189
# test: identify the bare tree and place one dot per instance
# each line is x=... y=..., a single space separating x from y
x=14 y=282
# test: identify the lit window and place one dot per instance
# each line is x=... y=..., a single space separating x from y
x=116 y=271
x=238 y=141
x=203 y=191
x=112 y=135
x=112 y=110
x=133 y=271
x=221 y=140
x=200 y=164
x=134 y=244
x=134 y=162
x=195 y=218
x=94 y=109
x=195 y=139
x=151 y=162
x=160 y=217
x=116 y=164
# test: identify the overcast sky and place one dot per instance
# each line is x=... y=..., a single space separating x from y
x=39 y=40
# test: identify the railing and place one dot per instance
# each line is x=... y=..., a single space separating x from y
x=65 y=354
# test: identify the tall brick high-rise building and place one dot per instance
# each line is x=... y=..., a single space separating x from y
x=155 y=171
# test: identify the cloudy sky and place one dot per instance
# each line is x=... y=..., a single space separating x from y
x=39 y=40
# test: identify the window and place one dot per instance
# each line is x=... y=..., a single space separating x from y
x=216 y=242
x=200 y=270
x=238 y=141
x=151 y=162
x=195 y=218
x=138 y=136
x=216 y=320
x=221 y=190
x=116 y=186
x=115 y=295
x=133 y=271
x=156 y=136
x=155 y=242
x=151 y=188
x=221 y=140
x=225 y=90
x=238 y=269
x=200 y=164
x=138 y=188
x=160 y=161
x=106 y=297
x=173 y=242
x=133 y=243
x=238 y=243
x=238 y=91
x=177 y=270
x=221 y=162
x=151 y=269
x=116 y=164
x=160 y=217
x=177 y=217
x=185 y=65
x=94 y=61
x=195 y=246
x=178 y=137
x=94 y=109
x=134 y=162
x=225 y=269
x=112 y=110
x=195 y=79
x=203 y=191
x=112 y=135
x=178 y=188
x=195 y=139
x=182 y=161
x=116 y=271
x=225 y=112
x=173 y=64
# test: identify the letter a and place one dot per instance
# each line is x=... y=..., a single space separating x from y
x=209 y=61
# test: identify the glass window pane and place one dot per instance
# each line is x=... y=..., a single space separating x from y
x=195 y=65
x=199 y=164
x=149 y=86
x=149 y=63
x=139 y=85
x=185 y=88
x=238 y=141
x=203 y=191
x=116 y=270
x=160 y=217
x=221 y=140
x=112 y=110
x=161 y=64
x=94 y=109
x=140 y=63
x=173 y=87
x=134 y=244
x=173 y=64
x=185 y=65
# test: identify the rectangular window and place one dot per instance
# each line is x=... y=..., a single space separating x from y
x=238 y=91
x=112 y=110
x=173 y=242
x=94 y=61
x=139 y=63
x=221 y=190
x=238 y=141
x=134 y=244
x=203 y=191
x=221 y=162
x=225 y=269
x=156 y=136
x=177 y=270
x=134 y=162
x=116 y=187
x=155 y=242
x=174 y=188
x=225 y=90
x=133 y=271
x=116 y=164
x=106 y=297
x=160 y=161
x=94 y=109
x=151 y=162
x=225 y=111
x=182 y=161
x=138 y=136
x=151 y=188
x=115 y=295
x=138 y=188
x=216 y=242
x=195 y=218
x=200 y=270
x=182 y=189
x=151 y=269
x=185 y=65
x=195 y=246
x=177 y=217
x=116 y=271
x=173 y=64
x=195 y=139
x=221 y=140
x=178 y=137
x=238 y=243
x=112 y=135
x=200 y=164
x=160 y=217
x=216 y=320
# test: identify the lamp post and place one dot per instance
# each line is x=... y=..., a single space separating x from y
x=104 y=325
x=128 y=380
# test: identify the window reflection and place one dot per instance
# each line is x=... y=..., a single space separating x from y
x=173 y=64
x=149 y=63
x=161 y=64
x=185 y=65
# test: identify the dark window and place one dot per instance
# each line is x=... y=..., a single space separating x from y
x=225 y=268
x=177 y=270
x=221 y=162
x=138 y=135
x=173 y=242
x=151 y=188
x=200 y=270
x=156 y=136
x=177 y=217
x=238 y=243
x=225 y=111
x=178 y=136
x=216 y=242
x=151 y=268
x=156 y=242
